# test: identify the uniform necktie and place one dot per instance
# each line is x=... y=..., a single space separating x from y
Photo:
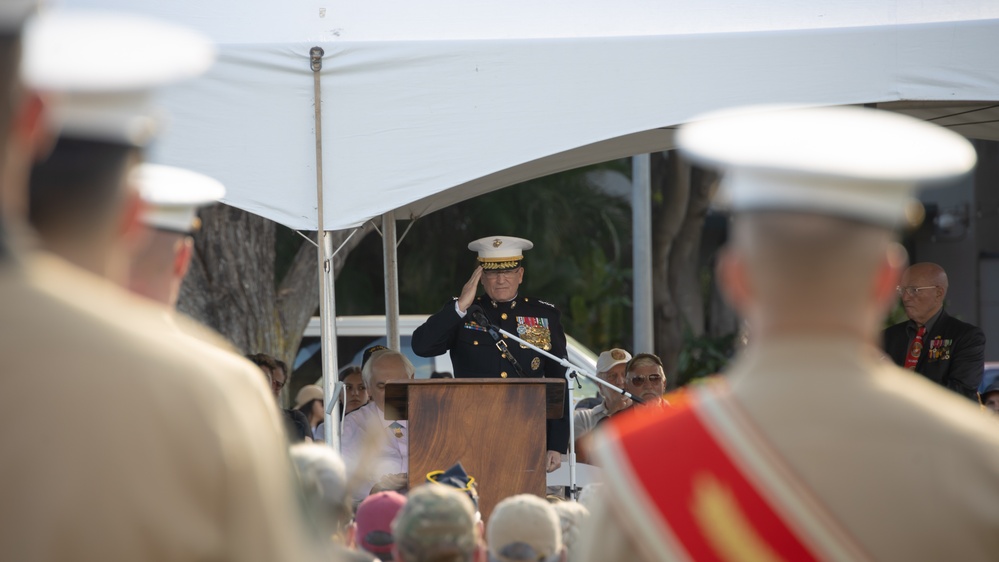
x=915 y=349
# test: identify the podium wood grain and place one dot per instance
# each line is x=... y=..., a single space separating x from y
x=494 y=427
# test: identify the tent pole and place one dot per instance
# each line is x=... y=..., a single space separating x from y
x=391 y=282
x=641 y=213
x=327 y=296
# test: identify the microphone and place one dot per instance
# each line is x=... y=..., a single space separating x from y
x=480 y=318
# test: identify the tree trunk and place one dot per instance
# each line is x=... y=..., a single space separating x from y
x=670 y=193
x=681 y=199
x=231 y=286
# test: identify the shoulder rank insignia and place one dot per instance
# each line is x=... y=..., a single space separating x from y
x=534 y=331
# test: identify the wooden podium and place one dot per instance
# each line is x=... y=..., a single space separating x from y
x=494 y=427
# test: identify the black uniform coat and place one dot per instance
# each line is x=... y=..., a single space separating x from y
x=474 y=354
x=953 y=353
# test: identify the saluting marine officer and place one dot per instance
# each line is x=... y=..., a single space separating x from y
x=475 y=353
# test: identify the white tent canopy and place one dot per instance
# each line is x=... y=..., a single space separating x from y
x=429 y=103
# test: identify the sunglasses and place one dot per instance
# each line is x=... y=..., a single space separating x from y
x=639 y=380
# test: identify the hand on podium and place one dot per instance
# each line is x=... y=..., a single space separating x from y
x=553 y=460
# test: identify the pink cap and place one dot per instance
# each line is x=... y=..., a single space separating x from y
x=374 y=521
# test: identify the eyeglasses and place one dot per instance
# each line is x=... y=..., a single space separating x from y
x=912 y=291
x=639 y=380
x=503 y=274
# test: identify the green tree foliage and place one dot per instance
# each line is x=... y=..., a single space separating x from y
x=581 y=261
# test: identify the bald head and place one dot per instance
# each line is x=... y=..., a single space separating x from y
x=800 y=272
x=924 y=287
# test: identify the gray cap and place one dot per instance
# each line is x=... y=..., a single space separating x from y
x=848 y=162
x=437 y=522
x=524 y=527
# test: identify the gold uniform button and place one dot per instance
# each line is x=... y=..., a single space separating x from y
x=475 y=342
x=503 y=374
x=506 y=337
x=503 y=316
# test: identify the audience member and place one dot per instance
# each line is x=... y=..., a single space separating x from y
x=611 y=367
x=442 y=375
x=309 y=401
x=296 y=424
x=988 y=393
x=437 y=524
x=646 y=379
x=322 y=480
x=524 y=527
x=372 y=529
x=368 y=428
x=354 y=391
x=571 y=517
x=811 y=447
x=933 y=343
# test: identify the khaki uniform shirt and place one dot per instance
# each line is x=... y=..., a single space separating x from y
x=123 y=440
x=910 y=470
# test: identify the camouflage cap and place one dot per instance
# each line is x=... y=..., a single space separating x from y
x=438 y=522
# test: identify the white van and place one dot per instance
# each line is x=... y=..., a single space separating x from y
x=357 y=333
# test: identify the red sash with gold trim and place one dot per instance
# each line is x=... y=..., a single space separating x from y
x=718 y=491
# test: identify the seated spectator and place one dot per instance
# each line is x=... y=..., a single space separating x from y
x=296 y=424
x=611 y=366
x=442 y=375
x=571 y=517
x=989 y=394
x=322 y=481
x=457 y=478
x=524 y=527
x=437 y=524
x=354 y=392
x=309 y=401
x=645 y=378
x=372 y=528
x=375 y=449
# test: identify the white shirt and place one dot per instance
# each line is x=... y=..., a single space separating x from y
x=392 y=455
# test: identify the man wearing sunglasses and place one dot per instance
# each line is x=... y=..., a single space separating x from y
x=932 y=343
x=644 y=377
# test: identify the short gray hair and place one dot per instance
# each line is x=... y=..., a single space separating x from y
x=322 y=480
x=366 y=371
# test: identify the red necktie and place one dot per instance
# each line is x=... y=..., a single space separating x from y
x=915 y=349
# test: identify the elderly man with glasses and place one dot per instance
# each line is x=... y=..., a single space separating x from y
x=932 y=343
x=477 y=351
x=644 y=377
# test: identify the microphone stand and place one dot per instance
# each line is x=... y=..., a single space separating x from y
x=571 y=372
x=335 y=411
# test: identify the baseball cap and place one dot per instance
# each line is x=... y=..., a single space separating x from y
x=610 y=358
x=308 y=393
x=374 y=522
x=371 y=351
x=437 y=523
x=524 y=527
